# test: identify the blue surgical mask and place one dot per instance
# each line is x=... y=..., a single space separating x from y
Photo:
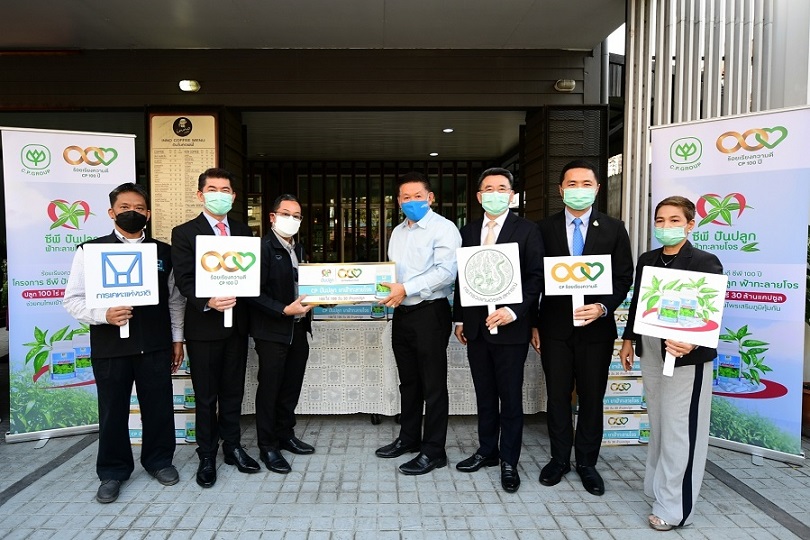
x=218 y=203
x=579 y=198
x=495 y=203
x=670 y=236
x=415 y=210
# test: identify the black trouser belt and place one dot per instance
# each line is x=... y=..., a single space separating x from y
x=420 y=305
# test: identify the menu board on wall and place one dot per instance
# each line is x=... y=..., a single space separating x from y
x=180 y=148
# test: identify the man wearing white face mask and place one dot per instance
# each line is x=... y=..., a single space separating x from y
x=217 y=354
x=496 y=360
x=279 y=325
x=579 y=354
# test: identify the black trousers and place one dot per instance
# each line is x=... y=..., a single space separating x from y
x=419 y=338
x=281 y=374
x=151 y=373
x=497 y=373
x=566 y=363
x=218 y=376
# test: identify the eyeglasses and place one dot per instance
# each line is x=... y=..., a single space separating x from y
x=295 y=217
x=493 y=190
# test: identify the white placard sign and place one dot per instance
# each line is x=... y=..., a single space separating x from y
x=680 y=305
x=578 y=276
x=228 y=266
x=120 y=275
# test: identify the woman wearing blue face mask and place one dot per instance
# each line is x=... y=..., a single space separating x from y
x=679 y=406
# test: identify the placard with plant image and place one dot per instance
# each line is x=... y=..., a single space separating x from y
x=681 y=305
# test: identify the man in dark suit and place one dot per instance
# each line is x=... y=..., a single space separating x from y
x=218 y=355
x=496 y=360
x=279 y=325
x=580 y=354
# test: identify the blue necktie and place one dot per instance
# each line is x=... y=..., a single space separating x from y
x=578 y=242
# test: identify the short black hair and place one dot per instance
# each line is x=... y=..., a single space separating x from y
x=129 y=187
x=497 y=171
x=687 y=206
x=414 y=176
x=281 y=198
x=579 y=164
x=215 y=172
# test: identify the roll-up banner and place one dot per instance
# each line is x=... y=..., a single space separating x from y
x=749 y=177
x=56 y=190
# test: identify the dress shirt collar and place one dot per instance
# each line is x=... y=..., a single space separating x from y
x=126 y=240
x=569 y=217
x=213 y=222
x=500 y=220
x=422 y=223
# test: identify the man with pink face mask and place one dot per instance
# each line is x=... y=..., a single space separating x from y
x=279 y=325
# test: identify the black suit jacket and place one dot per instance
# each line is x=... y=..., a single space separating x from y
x=605 y=236
x=689 y=258
x=202 y=324
x=267 y=321
x=526 y=235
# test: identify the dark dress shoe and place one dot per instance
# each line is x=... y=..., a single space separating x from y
x=242 y=460
x=108 y=491
x=297 y=446
x=396 y=449
x=591 y=480
x=167 y=475
x=510 y=479
x=553 y=472
x=275 y=461
x=475 y=462
x=207 y=472
x=422 y=464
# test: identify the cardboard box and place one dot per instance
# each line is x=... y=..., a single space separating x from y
x=184 y=428
x=626 y=393
x=624 y=428
x=182 y=395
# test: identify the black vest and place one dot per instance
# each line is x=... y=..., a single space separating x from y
x=150 y=328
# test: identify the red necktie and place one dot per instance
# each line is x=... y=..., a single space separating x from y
x=221 y=227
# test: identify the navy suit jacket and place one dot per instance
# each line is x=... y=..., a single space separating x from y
x=605 y=236
x=202 y=324
x=526 y=235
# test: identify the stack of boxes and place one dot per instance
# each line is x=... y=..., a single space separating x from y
x=184 y=405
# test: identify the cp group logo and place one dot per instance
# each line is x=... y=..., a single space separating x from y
x=68 y=215
x=92 y=155
x=231 y=261
x=686 y=151
x=752 y=140
x=35 y=157
x=578 y=272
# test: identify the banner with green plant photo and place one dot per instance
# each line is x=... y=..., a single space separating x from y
x=749 y=177
x=56 y=194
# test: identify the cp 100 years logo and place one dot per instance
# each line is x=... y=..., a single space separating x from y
x=579 y=272
x=231 y=261
x=751 y=140
x=617 y=420
x=92 y=155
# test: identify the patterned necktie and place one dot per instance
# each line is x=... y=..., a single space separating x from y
x=578 y=242
x=221 y=227
x=490 y=238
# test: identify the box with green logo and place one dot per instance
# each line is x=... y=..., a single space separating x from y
x=345 y=283
x=624 y=393
x=182 y=395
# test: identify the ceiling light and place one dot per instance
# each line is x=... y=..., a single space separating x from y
x=434 y=154
x=448 y=130
x=189 y=85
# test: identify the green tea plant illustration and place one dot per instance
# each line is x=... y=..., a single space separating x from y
x=41 y=347
x=722 y=208
x=706 y=296
x=751 y=353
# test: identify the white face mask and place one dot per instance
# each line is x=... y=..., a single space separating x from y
x=286 y=226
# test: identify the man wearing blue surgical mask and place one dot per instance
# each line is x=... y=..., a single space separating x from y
x=497 y=359
x=217 y=354
x=578 y=354
x=424 y=250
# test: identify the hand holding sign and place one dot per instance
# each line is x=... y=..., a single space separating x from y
x=576 y=277
x=227 y=267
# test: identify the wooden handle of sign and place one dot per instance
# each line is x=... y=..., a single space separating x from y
x=228 y=319
x=669 y=365
x=490 y=311
x=577 y=301
x=124 y=330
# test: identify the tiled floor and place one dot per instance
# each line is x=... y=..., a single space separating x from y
x=344 y=491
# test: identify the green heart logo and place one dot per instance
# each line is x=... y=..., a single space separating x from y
x=244 y=255
x=590 y=275
x=767 y=143
x=109 y=155
x=355 y=272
